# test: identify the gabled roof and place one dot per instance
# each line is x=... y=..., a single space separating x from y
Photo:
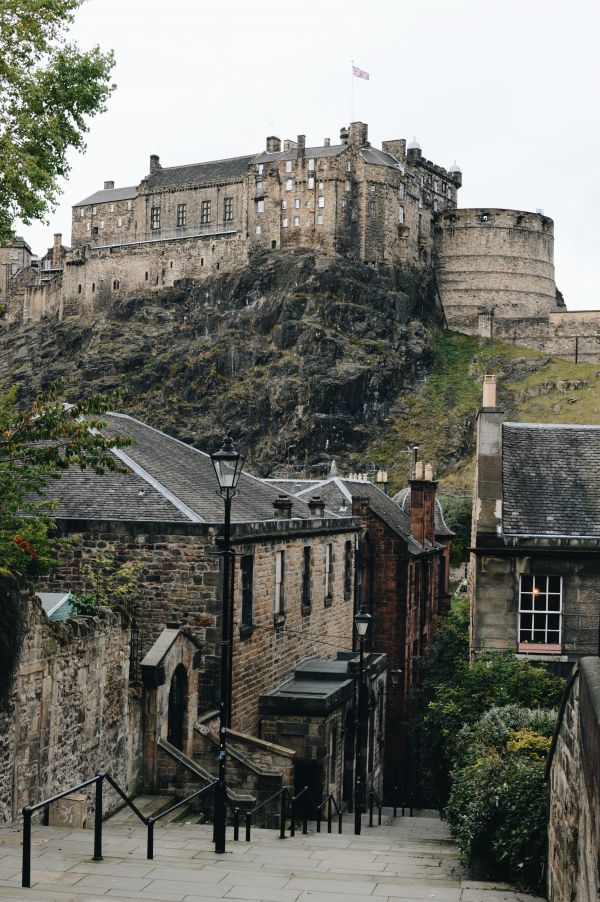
x=332 y=150
x=550 y=480
x=167 y=481
x=380 y=158
x=199 y=173
x=109 y=195
x=441 y=527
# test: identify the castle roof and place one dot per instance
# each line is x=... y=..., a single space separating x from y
x=332 y=150
x=414 y=145
x=166 y=481
x=380 y=158
x=550 y=480
x=108 y=195
x=197 y=173
x=441 y=527
x=455 y=168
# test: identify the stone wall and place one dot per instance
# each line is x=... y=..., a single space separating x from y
x=71 y=712
x=574 y=784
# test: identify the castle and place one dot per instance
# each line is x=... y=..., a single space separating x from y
x=493 y=268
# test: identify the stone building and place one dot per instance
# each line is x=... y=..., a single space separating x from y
x=402 y=578
x=294 y=599
x=535 y=556
x=14 y=257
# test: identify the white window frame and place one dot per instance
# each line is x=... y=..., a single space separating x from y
x=537 y=604
x=260 y=206
x=328 y=570
x=401 y=191
x=258 y=230
x=129 y=205
x=289 y=184
x=319 y=219
x=93 y=211
x=320 y=202
x=311 y=165
x=279 y=600
x=297 y=203
x=261 y=168
x=288 y=165
x=284 y=204
x=401 y=215
x=82 y=212
x=347 y=185
x=296 y=221
x=311 y=183
x=284 y=222
x=119 y=222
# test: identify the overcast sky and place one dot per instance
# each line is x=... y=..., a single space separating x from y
x=508 y=88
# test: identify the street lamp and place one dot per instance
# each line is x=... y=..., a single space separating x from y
x=396 y=675
x=228 y=465
x=361 y=622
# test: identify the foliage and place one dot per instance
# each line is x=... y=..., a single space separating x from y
x=497 y=808
x=36 y=446
x=48 y=89
x=109 y=584
x=12 y=631
x=457 y=514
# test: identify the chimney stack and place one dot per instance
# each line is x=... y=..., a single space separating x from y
x=422 y=504
x=57 y=251
x=273 y=144
x=316 y=505
x=301 y=146
x=326 y=142
x=359 y=134
x=283 y=507
x=108 y=185
x=154 y=163
x=344 y=134
x=489 y=391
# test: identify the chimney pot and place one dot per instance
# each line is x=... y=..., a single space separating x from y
x=489 y=391
x=108 y=185
x=154 y=163
x=428 y=472
x=283 y=507
x=419 y=470
x=326 y=142
x=273 y=144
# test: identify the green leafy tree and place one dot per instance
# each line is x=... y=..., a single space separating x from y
x=37 y=445
x=112 y=584
x=48 y=90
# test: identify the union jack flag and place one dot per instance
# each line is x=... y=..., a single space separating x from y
x=360 y=73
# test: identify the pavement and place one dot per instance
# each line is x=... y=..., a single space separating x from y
x=404 y=859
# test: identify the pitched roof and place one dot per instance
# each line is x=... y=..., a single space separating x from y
x=109 y=195
x=330 y=150
x=550 y=479
x=441 y=527
x=380 y=158
x=167 y=480
x=199 y=173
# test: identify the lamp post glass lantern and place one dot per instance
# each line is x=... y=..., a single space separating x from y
x=228 y=463
x=361 y=622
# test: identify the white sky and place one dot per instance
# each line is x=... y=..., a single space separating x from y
x=508 y=88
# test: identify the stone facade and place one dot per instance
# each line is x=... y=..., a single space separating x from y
x=573 y=778
x=72 y=710
x=14 y=257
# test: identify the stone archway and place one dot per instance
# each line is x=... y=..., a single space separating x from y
x=178 y=704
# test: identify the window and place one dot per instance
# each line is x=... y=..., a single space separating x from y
x=401 y=190
x=116 y=284
x=15 y=254
x=79 y=289
x=181 y=215
x=297 y=203
x=347 y=185
x=247 y=571
x=289 y=184
x=260 y=187
x=205 y=212
x=321 y=184
x=348 y=569
x=540 y=612
x=228 y=209
x=260 y=206
x=401 y=215
x=129 y=205
x=349 y=166
x=112 y=208
x=261 y=168
x=95 y=230
x=258 y=230
x=279 y=582
x=284 y=222
x=88 y=226
x=332 y=755
x=321 y=201
x=296 y=220
x=93 y=211
x=288 y=165
x=311 y=183
x=319 y=219
x=328 y=571
x=372 y=207
x=155 y=218
x=82 y=212
x=311 y=165
x=306 y=563
x=119 y=222
x=284 y=204
x=101 y=223
x=93 y=287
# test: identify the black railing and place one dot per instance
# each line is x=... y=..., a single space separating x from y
x=394 y=799
x=150 y=821
x=287 y=801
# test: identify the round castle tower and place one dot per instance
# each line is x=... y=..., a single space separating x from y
x=494 y=263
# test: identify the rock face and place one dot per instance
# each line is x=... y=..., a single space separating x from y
x=299 y=355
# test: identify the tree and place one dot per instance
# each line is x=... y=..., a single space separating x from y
x=36 y=446
x=48 y=89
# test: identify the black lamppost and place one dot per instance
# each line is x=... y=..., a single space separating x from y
x=228 y=465
x=361 y=621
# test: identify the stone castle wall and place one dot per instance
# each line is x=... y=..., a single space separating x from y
x=574 y=785
x=71 y=712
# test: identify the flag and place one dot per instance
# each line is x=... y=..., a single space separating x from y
x=360 y=73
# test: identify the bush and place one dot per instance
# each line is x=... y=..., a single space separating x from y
x=497 y=808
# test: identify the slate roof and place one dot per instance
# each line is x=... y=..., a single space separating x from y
x=550 y=479
x=199 y=173
x=332 y=150
x=441 y=527
x=109 y=195
x=168 y=481
x=337 y=493
x=380 y=158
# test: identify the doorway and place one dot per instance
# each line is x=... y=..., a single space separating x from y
x=178 y=708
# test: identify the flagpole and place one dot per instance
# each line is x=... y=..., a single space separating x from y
x=351 y=90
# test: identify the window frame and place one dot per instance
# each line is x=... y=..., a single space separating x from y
x=348 y=568
x=181 y=216
x=155 y=219
x=328 y=573
x=205 y=212
x=279 y=596
x=306 y=577
x=228 y=209
x=534 y=608
x=246 y=590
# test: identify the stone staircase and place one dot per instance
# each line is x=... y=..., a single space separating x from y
x=404 y=859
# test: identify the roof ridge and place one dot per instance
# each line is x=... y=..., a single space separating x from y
x=168 y=495
x=244 y=156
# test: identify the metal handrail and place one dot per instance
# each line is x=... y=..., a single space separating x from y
x=282 y=793
x=329 y=801
x=150 y=821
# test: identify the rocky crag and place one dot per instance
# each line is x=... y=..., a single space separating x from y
x=306 y=358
